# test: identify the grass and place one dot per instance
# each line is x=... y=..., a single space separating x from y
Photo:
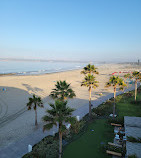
x=89 y=145
x=125 y=107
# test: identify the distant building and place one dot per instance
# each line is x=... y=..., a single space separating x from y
x=138 y=62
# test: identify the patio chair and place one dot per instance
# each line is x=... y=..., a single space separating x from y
x=124 y=138
x=116 y=131
x=122 y=132
x=111 y=115
x=117 y=136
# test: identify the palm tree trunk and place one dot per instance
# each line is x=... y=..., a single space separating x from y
x=90 y=111
x=60 y=144
x=36 y=118
x=114 y=102
x=135 y=90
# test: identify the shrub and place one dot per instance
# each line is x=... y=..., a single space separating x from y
x=77 y=126
x=119 y=98
x=134 y=140
x=137 y=102
x=104 y=109
x=86 y=118
x=113 y=148
x=132 y=156
x=129 y=94
x=117 y=120
x=46 y=148
x=139 y=89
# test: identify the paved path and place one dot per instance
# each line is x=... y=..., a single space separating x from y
x=19 y=148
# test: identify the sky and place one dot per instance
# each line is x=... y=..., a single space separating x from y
x=99 y=30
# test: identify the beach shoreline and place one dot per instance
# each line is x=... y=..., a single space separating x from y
x=39 y=74
x=35 y=68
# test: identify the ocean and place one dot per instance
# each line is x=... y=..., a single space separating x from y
x=38 y=67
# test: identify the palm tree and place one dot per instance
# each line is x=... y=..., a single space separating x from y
x=58 y=115
x=90 y=82
x=62 y=91
x=137 y=76
x=115 y=82
x=35 y=101
x=127 y=76
x=89 y=69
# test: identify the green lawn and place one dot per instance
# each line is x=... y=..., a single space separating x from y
x=88 y=145
x=126 y=108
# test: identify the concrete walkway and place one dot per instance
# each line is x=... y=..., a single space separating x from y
x=19 y=148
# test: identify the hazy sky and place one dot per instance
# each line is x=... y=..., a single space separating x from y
x=71 y=29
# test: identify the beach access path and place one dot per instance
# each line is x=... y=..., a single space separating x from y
x=19 y=148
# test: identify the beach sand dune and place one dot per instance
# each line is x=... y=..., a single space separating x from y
x=16 y=121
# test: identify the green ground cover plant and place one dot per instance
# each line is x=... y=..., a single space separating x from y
x=132 y=156
x=124 y=107
x=46 y=148
x=134 y=140
x=89 y=144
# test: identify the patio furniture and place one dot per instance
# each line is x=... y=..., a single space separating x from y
x=114 y=124
x=116 y=131
x=124 y=138
x=111 y=115
x=122 y=132
x=113 y=153
x=113 y=144
x=120 y=142
x=117 y=136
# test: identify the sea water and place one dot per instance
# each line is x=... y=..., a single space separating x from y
x=38 y=67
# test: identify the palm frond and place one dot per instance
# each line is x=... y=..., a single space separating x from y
x=89 y=69
x=116 y=81
x=47 y=118
x=36 y=101
x=71 y=120
x=48 y=126
x=58 y=114
x=89 y=81
x=63 y=128
x=62 y=90
x=127 y=76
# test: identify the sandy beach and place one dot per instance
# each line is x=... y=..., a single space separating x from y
x=16 y=121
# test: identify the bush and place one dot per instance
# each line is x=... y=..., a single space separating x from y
x=113 y=148
x=77 y=126
x=94 y=115
x=104 y=109
x=132 y=156
x=86 y=118
x=117 y=120
x=46 y=148
x=129 y=94
x=134 y=140
x=119 y=98
x=139 y=89
x=136 y=102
